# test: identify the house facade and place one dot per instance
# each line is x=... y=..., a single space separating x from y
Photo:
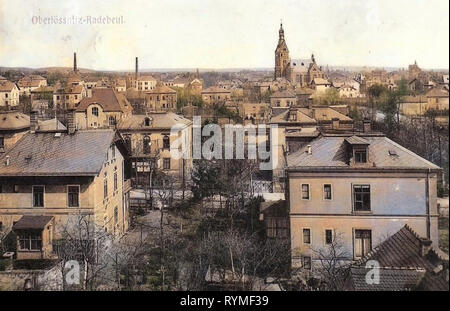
x=358 y=190
x=9 y=94
x=104 y=109
x=47 y=178
x=161 y=98
x=149 y=139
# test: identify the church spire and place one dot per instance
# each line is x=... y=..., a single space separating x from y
x=281 y=32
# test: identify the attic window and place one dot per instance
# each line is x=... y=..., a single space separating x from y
x=360 y=155
x=392 y=152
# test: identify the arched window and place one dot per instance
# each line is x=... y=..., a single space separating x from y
x=166 y=142
x=95 y=111
x=112 y=121
x=146 y=145
x=147 y=121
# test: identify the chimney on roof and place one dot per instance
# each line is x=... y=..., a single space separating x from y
x=335 y=123
x=309 y=149
x=136 y=70
x=33 y=121
x=7 y=160
x=71 y=122
x=75 y=62
x=425 y=246
x=367 y=126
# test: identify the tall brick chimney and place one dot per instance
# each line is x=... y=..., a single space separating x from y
x=33 y=121
x=136 y=70
x=71 y=126
x=75 y=62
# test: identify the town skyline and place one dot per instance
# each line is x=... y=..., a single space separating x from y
x=369 y=35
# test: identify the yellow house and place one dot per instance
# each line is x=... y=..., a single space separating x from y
x=215 y=95
x=355 y=191
x=161 y=98
x=149 y=140
x=68 y=97
x=9 y=94
x=104 y=109
x=49 y=177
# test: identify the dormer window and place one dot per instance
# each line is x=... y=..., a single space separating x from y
x=361 y=155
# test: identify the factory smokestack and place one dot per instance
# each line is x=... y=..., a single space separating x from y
x=136 y=71
x=74 y=62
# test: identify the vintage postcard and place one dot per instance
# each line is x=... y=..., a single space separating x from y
x=224 y=145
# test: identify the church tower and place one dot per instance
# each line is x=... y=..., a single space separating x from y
x=282 y=60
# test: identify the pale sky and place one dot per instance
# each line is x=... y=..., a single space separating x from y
x=225 y=33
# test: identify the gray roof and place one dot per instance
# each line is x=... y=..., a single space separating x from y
x=14 y=120
x=164 y=120
x=391 y=279
x=300 y=65
x=404 y=250
x=356 y=140
x=45 y=154
x=330 y=151
x=32 y=222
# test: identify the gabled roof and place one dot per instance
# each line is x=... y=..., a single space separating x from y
x=164 y=121
x=284 y=118
x=215 y=89
x=356 y=140
x=13 y=120
x=161 y=89
x=404 y=249
x=283 y=94
x=146 y=78
x=330 y=151
x=6 y=86
x=47 y=154
x=437 y=92
x=109 y=99
x=391 y=279
x=300 y=65
x=75 y=89
x=324 y=114
x=320 y=81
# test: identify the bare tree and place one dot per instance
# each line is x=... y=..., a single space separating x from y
x=333 y=260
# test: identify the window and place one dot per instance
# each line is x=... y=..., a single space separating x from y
x=328 y=236
x=360 y=156
x=147 y=121
x=30 y=242
x=113 y=151
x=6 y=95
x=76 y=96
x=95 y=111
x=73 y=196
x=327 y=192
x=306 y=263
x=16 y=189
x=2 y=142
x=146 y=143
x=105 y=188
x=116 y=215
x=166 y=142
x=306 y=236
x=38 y=196
x=112 y=121
x=277 y=227
x=166 y=163
x=361 y=197
x=305 y=192
x=363 y=243
x=1 y=226
x=115 y=181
